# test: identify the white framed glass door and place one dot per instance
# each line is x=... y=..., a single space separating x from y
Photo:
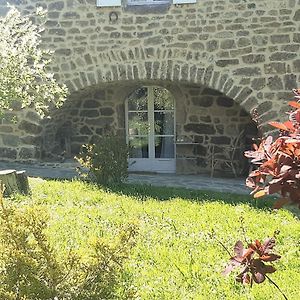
x=150 y=127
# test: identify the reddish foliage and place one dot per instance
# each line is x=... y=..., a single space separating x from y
x=278 y=161
x=253 y=261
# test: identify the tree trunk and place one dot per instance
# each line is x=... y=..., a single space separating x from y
x=22 y=181
x=14 y=182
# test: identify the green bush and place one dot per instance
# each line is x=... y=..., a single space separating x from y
x=106 y=161
x=32 y=267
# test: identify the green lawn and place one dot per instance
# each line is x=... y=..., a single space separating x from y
x=174 y=256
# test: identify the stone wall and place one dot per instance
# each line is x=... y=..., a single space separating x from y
x=20 y=136
x=212 y=122
x=246 y=50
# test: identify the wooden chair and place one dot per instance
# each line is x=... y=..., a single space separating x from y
x=228 y=156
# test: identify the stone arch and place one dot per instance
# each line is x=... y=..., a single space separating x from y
x=143 y=64
x=89 y=115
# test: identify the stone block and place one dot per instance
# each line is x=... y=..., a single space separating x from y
x=253 y=58
x=59 y=5
x=264 y=107
x=247 y=71
x=63 y=52
x=71 y=15
x=85 y=130
x=275 y=68
x=275 y=83
x=200 y=128
x=243 y=95
x=27 y=153
x=9 y=153
x=156 y=40
x=290 y=81
x=212 y=45
x=30 y=127
x=89 y=113
x=244 y=42
x=57 y=31
x=280 y=39
x=296 y=37
x=197 y=46
x=282 y=56
x=200 y=150
x=297 y=15
x=227 y=44
x=221 y=140
x=10 y=140
x=6 y=129
x=90 y=103
x=187 y=37
x=107 y=111
x=224 y=101
x=226 y=62
x=100 y=122
x=260 y=40
x=258 y=83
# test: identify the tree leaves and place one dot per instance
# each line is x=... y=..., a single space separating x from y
x=278 y=161
x=24 y=75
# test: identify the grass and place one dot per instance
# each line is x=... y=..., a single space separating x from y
x=175 y=256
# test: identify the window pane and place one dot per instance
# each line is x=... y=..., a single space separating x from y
x=163 y=99
x=164 y=147
x=138 y=123
x=138 y=99
x=163 y=123
x=138 y=147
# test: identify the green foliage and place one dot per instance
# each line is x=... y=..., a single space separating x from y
x=36 y=262
x=106 y=161
x=24 y=76
x=174 y=256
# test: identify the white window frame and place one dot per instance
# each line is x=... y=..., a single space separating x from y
x=113 y=3
x=147 y=2
x=108 y=3
x=184 y=1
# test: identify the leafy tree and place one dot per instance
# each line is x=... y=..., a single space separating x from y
x=24 y=76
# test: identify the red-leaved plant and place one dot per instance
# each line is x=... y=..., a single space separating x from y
x=278 y=161
x=252 y=260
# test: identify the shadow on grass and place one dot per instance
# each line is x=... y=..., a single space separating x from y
x=143 y=192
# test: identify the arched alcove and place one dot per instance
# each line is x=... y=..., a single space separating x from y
x=203 y=117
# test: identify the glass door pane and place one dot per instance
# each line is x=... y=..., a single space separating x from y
x=164 y=123
x=163 y=99
x=138 y=147
x=137 y=101
x=163 y=105
x=164 y=147
x=138 y=123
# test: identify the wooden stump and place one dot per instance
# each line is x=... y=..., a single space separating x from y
x=14 y=182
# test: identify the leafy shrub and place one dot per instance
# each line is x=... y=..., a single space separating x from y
x=106 y=160
x=32 y=268
x=278 y=161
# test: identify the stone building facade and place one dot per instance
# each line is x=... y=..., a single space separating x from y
x=219 y=59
